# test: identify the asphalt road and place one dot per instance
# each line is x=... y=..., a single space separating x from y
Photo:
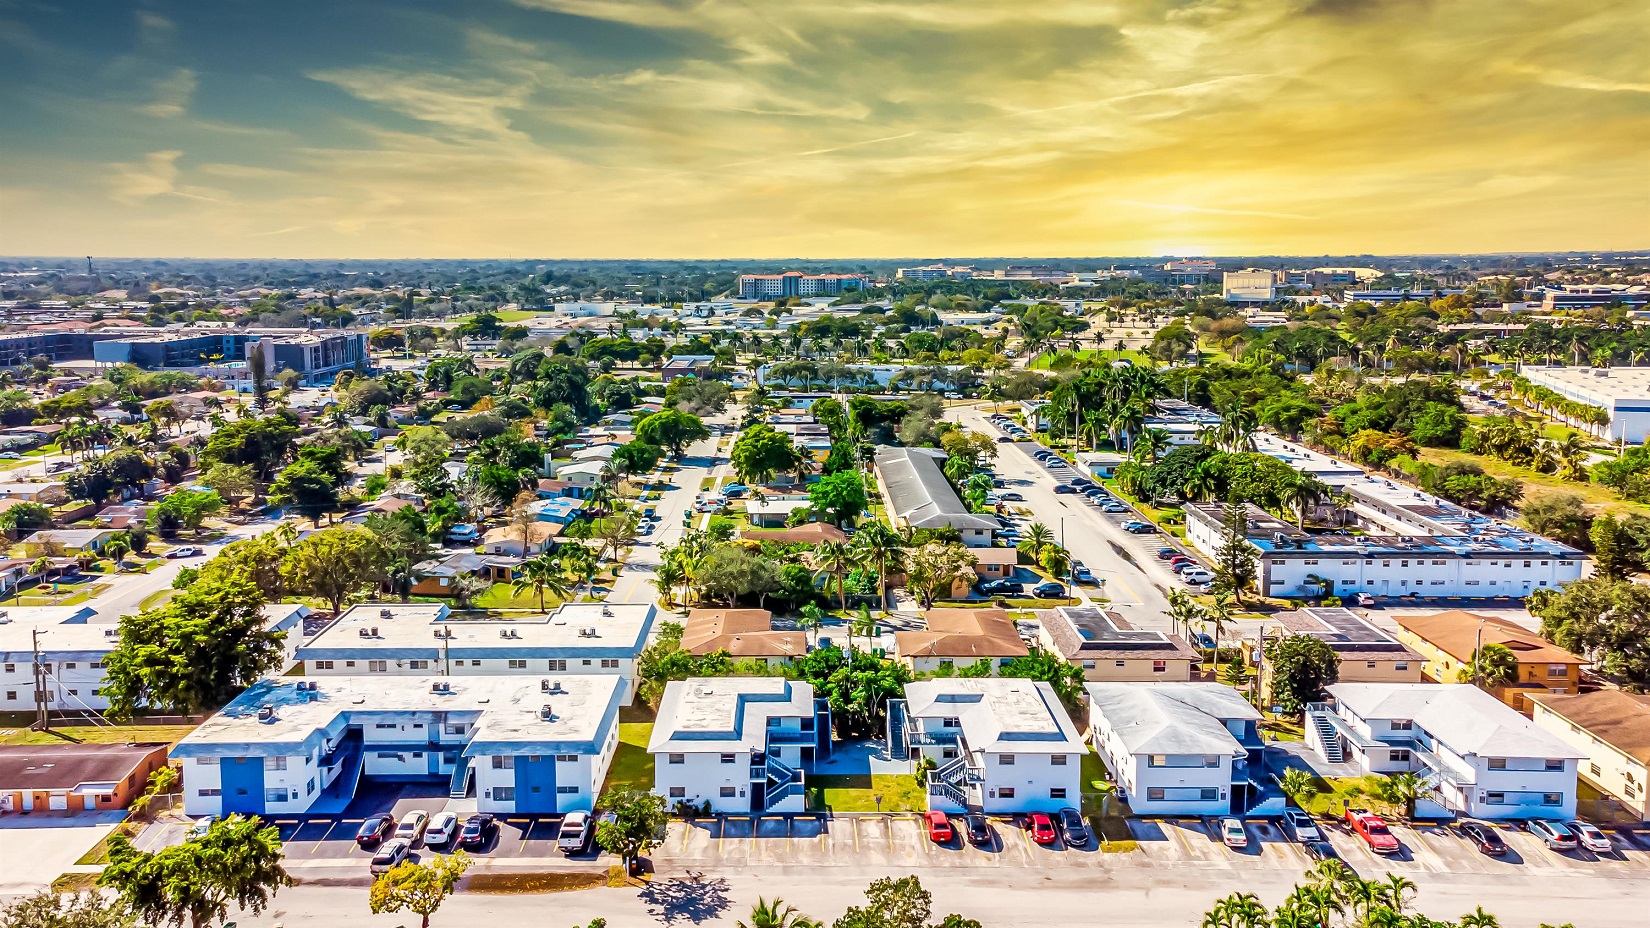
x=635 y=582
x=128 y=591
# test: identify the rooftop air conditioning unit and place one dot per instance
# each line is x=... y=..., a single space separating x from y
x=588 y=632
x=365 y=633
x=375 y=631
x=386 y=614
x=504 y=633
x=606 y=610
x=266 y=713
x=439 y=687
x=546 y=713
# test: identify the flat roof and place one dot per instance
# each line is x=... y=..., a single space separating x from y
x=725 y=714
x=68 y=766
x=408 y=631
x=1604 y=385
x=504 y=712
x=999 y=714
x=1346 y=632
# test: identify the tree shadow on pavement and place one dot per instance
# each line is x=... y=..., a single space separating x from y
x=686 y=899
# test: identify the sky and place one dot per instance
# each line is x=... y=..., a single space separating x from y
x=821 y=128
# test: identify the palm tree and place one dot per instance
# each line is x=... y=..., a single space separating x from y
x=466 y=586
x=776 y=914
x=864 y=625
x=880 y=545
x=1395 y=887
x=539 y=574
x=1494 y=665
x=835 y=558
x=1038 y=537
x=1152 y=444
x=1239 y=910
x=600 y=496
x=667 y=576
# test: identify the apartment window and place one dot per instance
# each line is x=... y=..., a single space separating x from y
x=610 y=663
x=309 y=788
x=1402 y=724
x=68 y=665
x=1057 y=760
x=1160 y=666
x=1122 y=663
x=377 y=667
x=567 y=758
x=504 y=762
x=1088 y=665
x=11 y=668
x=727 y=792
x=1526 y=563
x=419 y=665
x=1552 y=799
x=587 y=662
x=1496 y=799
x=1155 y=793
x=206 y=761
x=1401 y=665
x=349 y=663
x=678 y=792
x=558 y=665
x=504 y=793
x=1558 y=670
x=518 y=665
x=1311 y=561
x=1437 y=563
x=1005 y=760
x=1398 y=756
x=1005 y=792
x=1543 y=563
x=275 y=795
x=951 y=722
x=678 y=759
x=1158 y=760
x=388 y=755
x=381 y=725
x=1553 y=764
x=566 y=790
x=1386 y=563
x=209 y=792
x=323 y=665
x=1404 y=563
x=1369 y=664
x=727 y=758
x=275 y=763
x=455 y=728
x=1057 y=792
x=1498 y=763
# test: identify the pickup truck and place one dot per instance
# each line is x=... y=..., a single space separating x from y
x=1372 y=829
x=576 y=831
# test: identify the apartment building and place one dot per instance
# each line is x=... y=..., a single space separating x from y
x=917 y=495
x=1612 y=729
x=514 y=744
x=1447 y=641
x=1000 y=745
x=1108 y=649
x=314 y=354
x=743 y=745
x=1250 y=286
x=1477 y=756
x=796 y=283
x=745 y=634
x=1366 y=653
x=1178 y=748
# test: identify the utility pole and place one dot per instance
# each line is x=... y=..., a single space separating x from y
x=42 y=722
x=1477 y=661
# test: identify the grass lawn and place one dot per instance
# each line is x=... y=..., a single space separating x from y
x=156 y=599
x=1537 y=485
x=1131 y=355
x=14 y=729
x=502 y=596
x=1335 y=791
x=632 y=766
x=859 y=792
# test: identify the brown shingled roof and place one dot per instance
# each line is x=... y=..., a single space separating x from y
x=813 y=533
x=741 y=633
x=962 y=633
x=1455 y=632
x=1618 y=719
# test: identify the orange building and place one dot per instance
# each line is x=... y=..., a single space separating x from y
x=1447 y=640
x=75 y=777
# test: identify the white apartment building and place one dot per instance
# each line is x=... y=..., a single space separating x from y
x=1178 y=748
x=1479 y=756
x=936 y=272
x=1612 y=729
x=517 y=745
x=919 y=496
x=796 y=283
x=1623 y=392
x=1249 y=286
x=1001 y=745
x=422 y=639
x=740 y=744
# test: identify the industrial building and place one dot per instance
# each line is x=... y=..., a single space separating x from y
x=1623 y=392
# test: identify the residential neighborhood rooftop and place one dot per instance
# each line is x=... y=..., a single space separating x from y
x=1465 y=718
x=726 y=713
x=998 y=714
x=1617 y=718
x=409 y=631
x=1172 y=718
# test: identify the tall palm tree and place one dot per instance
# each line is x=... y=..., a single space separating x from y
x=1038 y=537
x=863 y=625
x=880 y=545
x=542 y=573
x=776 y=914
x=835 y=558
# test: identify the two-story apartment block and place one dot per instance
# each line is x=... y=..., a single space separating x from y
x=917 y=495
x=1612 y=729
x=742 y=745
x=1478 y=756
x=1367 y=654
x=423 y=639
x=1447 y=641
x=516 y=744
x=745 y=634
x=1178 y=748
x=1108 y=649
x=956 y=639
x=1000 y=745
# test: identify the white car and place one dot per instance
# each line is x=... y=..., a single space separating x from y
x=1232 y=833
x=199 y=828
x=442 y=829
x=1198 y=576
x=1300 y=826
x=412 y=825
x=185 y=551
x=1591 y=838
x=390 y=854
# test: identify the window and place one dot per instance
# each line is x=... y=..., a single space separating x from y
x=518 y=665
x=275 y=795
x=209 y=792
x=377 y=667
x=1437 y=563
x=1155 y=793
x=455 y=728
x=504 y=793
x=558 y=665
x=309 y=788
x=275 y=763
x=388 y=755
x=1558 y=670
x=68 y=665
x=1088 y=665
x=951 y=722
x=1400 y=665
x=678 y=792
x=11 y=668
x=1552 y=799
x=349 y=663
x=1057 y=760
x=678 y=759
x=323 y=665
x=1554 y=764
x=11 y=694
x=1005 y=760
x=728 y=758
x=1005 y=792
x=566 y=790
x=1369 y=664
x=1496 y=799
x=1526 y=563
x=1122 y=663
x=1398 y=756
x=1057 y=792
x=587 y=662
x=389 y=725
x=610 y=663
x=1402 y=724
x=1158 y=760
x=727 y=792
x=504 y=762
x=1403 y=563
x=1210 y=760
x=1160 y=666
x=567 y=758
x=419 y=665
x=206 y=761
x=1498 y=763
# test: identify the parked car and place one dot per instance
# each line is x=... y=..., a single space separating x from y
x=1364 y=599
x=1063 y=489
x=1003 y=439
x=1197 y=576
x=375 y=829
x=1114 y=508
x=1177 y=561
x=1049 y=590
x=1081 y=573
x=1042 y=828
x=939 y=827
x=393 y=852
x=1140 y=528
x=1164 y=554
x=1553 y=834
x=477 y=831
x=1372 y=829
x=1232 y=833
x=412 y=825
x=1002 y=588
x=576 y=833
x=1484 y=838
x=1591 y=837
x=1075 y=829
x=1300 y=826
x=184 y=551
x=1205 y=640
x=1319 y=850
x=1012 y=496
x=443 y=828
x=977 y=829
x=199 y=827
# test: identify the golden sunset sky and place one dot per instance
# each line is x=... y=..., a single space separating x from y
x=822 y=128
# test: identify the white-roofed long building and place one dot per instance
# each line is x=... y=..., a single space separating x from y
x=1001 y=745
x=918 y=495
x=741 y=744
x=1178 y=748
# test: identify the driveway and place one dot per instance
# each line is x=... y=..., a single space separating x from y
x=39 y=847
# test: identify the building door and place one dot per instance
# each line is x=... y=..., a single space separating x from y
x=58 y=802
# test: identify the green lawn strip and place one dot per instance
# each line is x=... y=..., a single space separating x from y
x=503 y=596
x=632 y=766
x=900 y=792
x=1335 y=792
x=1537 y=485
x=156 y=599
x=99 y=854
x=17 y=723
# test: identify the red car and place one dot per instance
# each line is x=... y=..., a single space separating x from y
x=1042 y=828
x=1372 y=828
x=939 y=827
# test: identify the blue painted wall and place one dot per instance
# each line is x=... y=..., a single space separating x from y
x=536 y=783
x=243 y=785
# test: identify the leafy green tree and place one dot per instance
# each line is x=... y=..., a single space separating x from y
x=838 y=497
x=46 y=909
x=334 y=564
x=417 y=887
x=898 y=903
x=308 y=488
x=636 y=457
x=672 y=430
x=1301 y=666
x=761 y=452
x=191 y=507
x=1605 y=620
x=237 y=862
x=230 y=480
x=857 y=684
x=25 y=518
x=194 y=653
x=730 y=571
x=1050 y=668
x=636 y=826
x=261 y=443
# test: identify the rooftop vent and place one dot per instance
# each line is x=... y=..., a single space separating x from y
x=546 y=713
x=441 y=687
x=375 y=631
x=550 y=686
x=606 y=610
x=386 y=614
x=365 y=633
x=588 y=632
x=266 y=713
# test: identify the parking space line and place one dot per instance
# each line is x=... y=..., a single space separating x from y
x=525 y=832
x=1180 y=837
x=324 y=836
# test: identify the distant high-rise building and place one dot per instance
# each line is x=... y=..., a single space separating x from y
x=1250 y=286
x=796 y=283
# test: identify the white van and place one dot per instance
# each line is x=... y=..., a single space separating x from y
x=1196 y=576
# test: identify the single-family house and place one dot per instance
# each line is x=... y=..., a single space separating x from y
x=773 y=511
x=72 y=541
x=1108 y=649
x=75 y=777
x=436 y=577
x=48 y=493
x=745 y=634
x=508 y=540
x=957 y=639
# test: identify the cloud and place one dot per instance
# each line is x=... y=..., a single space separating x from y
x=172 y=94
x=134 y=182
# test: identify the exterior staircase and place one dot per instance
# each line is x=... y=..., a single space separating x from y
x=951 y=781
x=463 y=778
x=1327 y=735
x=782 y=782
x=898 y=747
